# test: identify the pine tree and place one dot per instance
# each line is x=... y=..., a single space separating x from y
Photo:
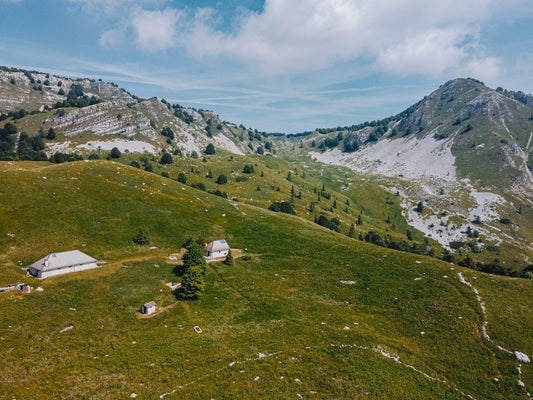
x=193 y=256
x=352 y=231
x=229 y=258
x=143 y=237
x=192 y=283
x=359 y=220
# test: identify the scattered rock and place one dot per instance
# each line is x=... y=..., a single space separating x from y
x=521 y=357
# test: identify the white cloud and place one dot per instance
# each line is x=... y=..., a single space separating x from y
x=112 y=38
x=404 y=37
x=401 y=37
x=155 y=30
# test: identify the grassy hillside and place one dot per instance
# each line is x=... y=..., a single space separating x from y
x=309 y=313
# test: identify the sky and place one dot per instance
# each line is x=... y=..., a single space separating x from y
x=276 y=65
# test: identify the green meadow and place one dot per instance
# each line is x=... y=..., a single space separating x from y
x=309 y=313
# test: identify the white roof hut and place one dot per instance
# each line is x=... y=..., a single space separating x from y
x=62 y=263
x=217 y=248
x=148 y=308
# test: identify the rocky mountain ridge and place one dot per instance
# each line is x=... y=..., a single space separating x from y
x=118 y=118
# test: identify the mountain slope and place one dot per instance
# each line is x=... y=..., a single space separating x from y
x=462 y=130
x=310 y=312
x=463 y=151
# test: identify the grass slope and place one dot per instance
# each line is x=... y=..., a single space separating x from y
x=274 y=326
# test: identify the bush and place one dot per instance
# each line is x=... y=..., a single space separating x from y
x=248 y=169
x=135 y=164
x=219 y=193
x=115 y=153
x=182 y=178
x=199 y=185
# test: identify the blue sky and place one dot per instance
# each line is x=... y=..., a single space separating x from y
x=276 y=65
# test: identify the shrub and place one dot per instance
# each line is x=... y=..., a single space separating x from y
x=199 y=185
x=182 y=178
x=115 y=153
x=248 y=169
x=219 y=193
x=94 y=156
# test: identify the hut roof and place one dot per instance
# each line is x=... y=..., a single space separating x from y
x=61 y=260
x=217 y=245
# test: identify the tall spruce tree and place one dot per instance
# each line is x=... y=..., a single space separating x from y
x=193 y=256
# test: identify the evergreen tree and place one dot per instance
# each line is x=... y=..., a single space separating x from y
x=359 y=220
x=143 y=237
x=192 y=283
x=51 y=135
x=166 y=159
x=193 y=256
x=222 y=179
x=210 y=149
x=352 y=231
x=229 y=258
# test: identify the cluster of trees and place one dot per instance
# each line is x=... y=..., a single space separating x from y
x=416 y=248
x=76 y=98
x=169 y=133
x=334 y=224
x=282 y=206
x=495 y=267
x=60 y=158
x=7 y=142
x=218 y=193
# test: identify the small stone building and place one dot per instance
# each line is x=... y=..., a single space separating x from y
x=61 y=263
x=148 y=308
x=217 y=248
